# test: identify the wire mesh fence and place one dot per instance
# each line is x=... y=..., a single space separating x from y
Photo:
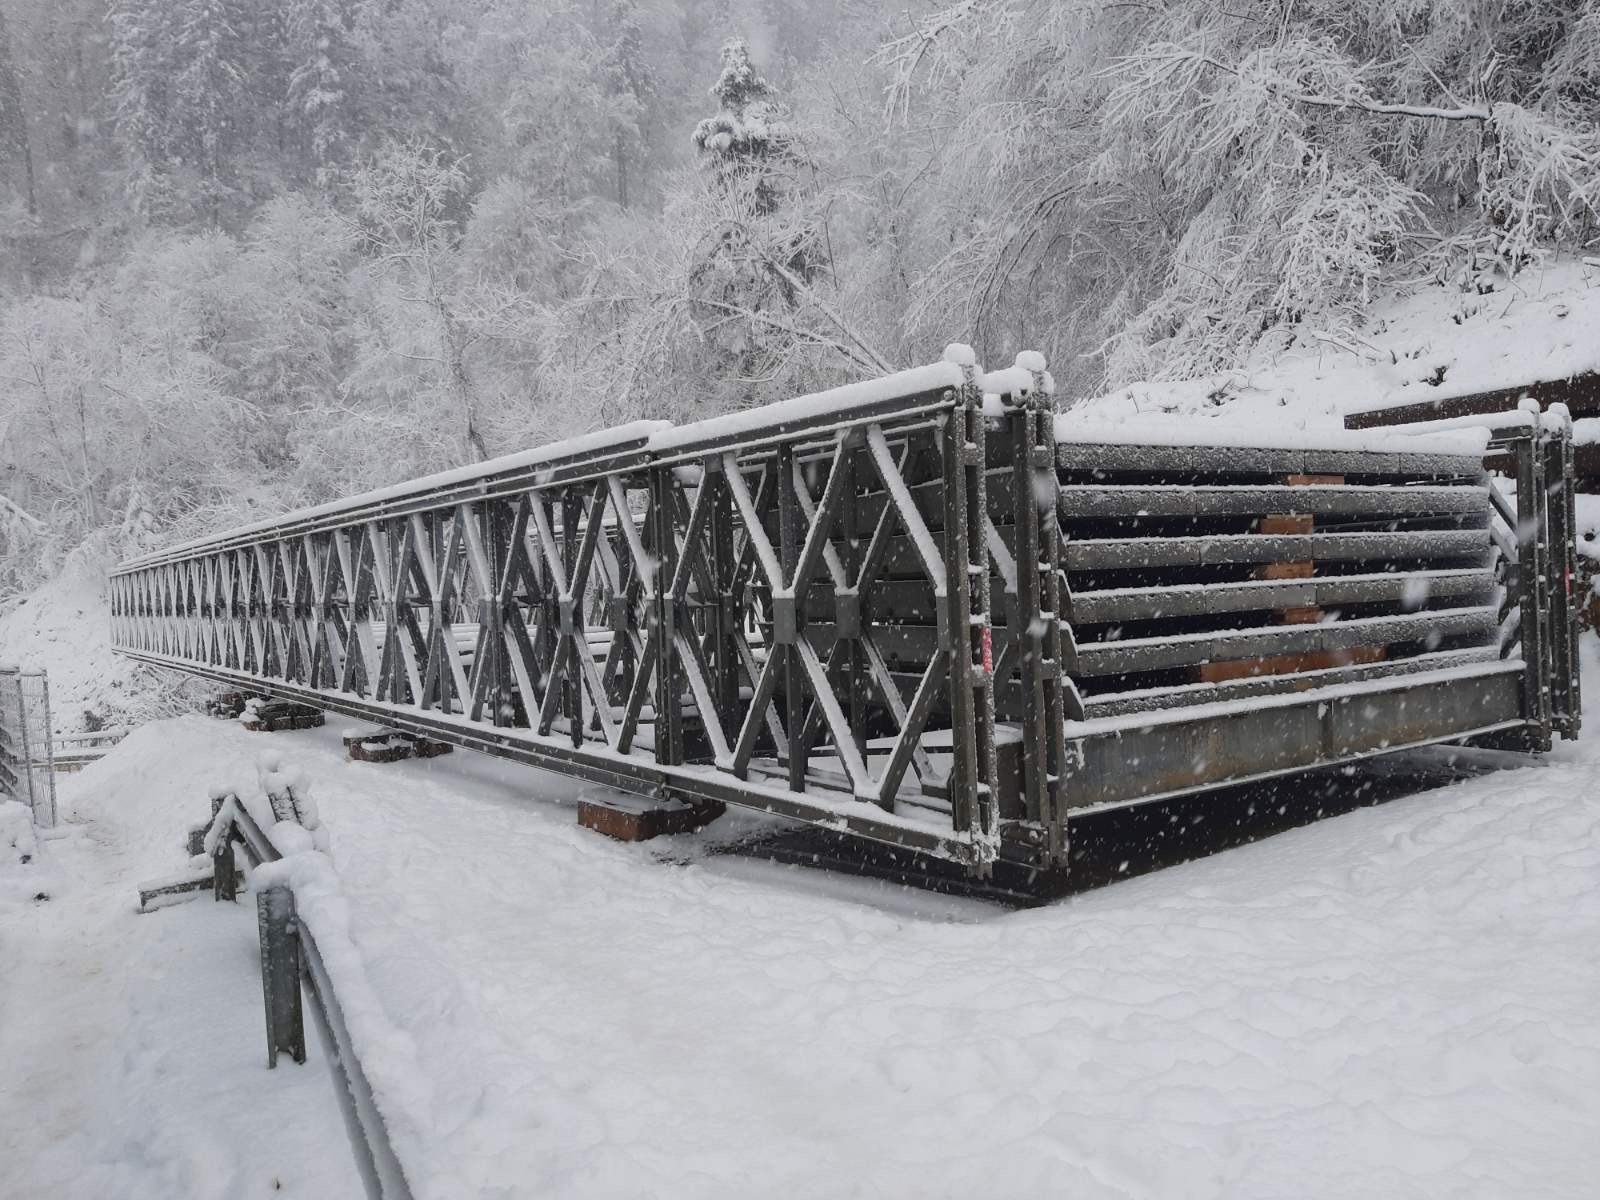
x=27 y=769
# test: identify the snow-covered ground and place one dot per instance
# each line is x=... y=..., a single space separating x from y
x=1398 y=1002
x=132 y=1049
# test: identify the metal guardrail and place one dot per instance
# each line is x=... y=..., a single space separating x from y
x=285 y=939
x=923 y=610
x=74 y=751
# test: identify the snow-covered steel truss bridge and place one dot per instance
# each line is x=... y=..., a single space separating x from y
x=926 y=609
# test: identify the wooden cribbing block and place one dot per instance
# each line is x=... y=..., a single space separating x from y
x=383 y=746
x=632 y=819
x=380 y=749
x=1294 y=523
x=274 y=716
x=424 y=747
x=1285 y=523
x=1287 y=664
x=227 y=706
x=1308 y=614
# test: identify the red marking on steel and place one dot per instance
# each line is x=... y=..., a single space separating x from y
x=988 y=651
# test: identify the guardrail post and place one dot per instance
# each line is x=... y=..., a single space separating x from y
x=224 y=867
x=280 y=973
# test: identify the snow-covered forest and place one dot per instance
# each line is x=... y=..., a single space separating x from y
x=264 y=251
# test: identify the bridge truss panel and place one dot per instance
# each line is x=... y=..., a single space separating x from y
x=909 y=610
x=652 y=621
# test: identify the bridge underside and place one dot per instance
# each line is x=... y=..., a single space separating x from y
x=924 y=610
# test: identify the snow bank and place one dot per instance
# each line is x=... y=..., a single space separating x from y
x=25 y=873
x=1420 y=345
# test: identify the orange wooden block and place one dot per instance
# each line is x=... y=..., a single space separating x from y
x=1287 y=664
x=632 y=820
x=1313 y=480
x=1285 y=523
x=1286 y=570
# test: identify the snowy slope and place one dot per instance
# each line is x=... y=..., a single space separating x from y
x=65 y=628
x=1399 y=1002
x=1420 y=344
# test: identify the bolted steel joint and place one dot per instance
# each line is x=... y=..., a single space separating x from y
x=570 y=616
x=786 y=620
x=847 y=620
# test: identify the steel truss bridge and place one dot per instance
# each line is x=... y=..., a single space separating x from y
x=925 y=609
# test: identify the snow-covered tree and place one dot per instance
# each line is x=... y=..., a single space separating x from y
x=184 y=99
x=325 y=70
x=746 y=142
x=629 y=87
x=16 y=144
x=411 y=201
x=757 y=248
x=1171 y=183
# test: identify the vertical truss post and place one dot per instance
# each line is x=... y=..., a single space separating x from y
x=571 y=612
x=280 y=973
x=1531 y=572
x=847 y=604
x=1560 y=471
x=787 y=622
x=973 y=773
x=1039 y=607
x=723 y=606
x=491 y=612
x=664 y=546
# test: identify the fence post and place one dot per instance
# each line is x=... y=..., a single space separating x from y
x=49 y=747
x=280 y=973
x=25 y=759
x=224 y=870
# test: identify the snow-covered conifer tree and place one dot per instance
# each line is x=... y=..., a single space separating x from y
x=325 y=68
x=629 y=86
x=746 y=143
